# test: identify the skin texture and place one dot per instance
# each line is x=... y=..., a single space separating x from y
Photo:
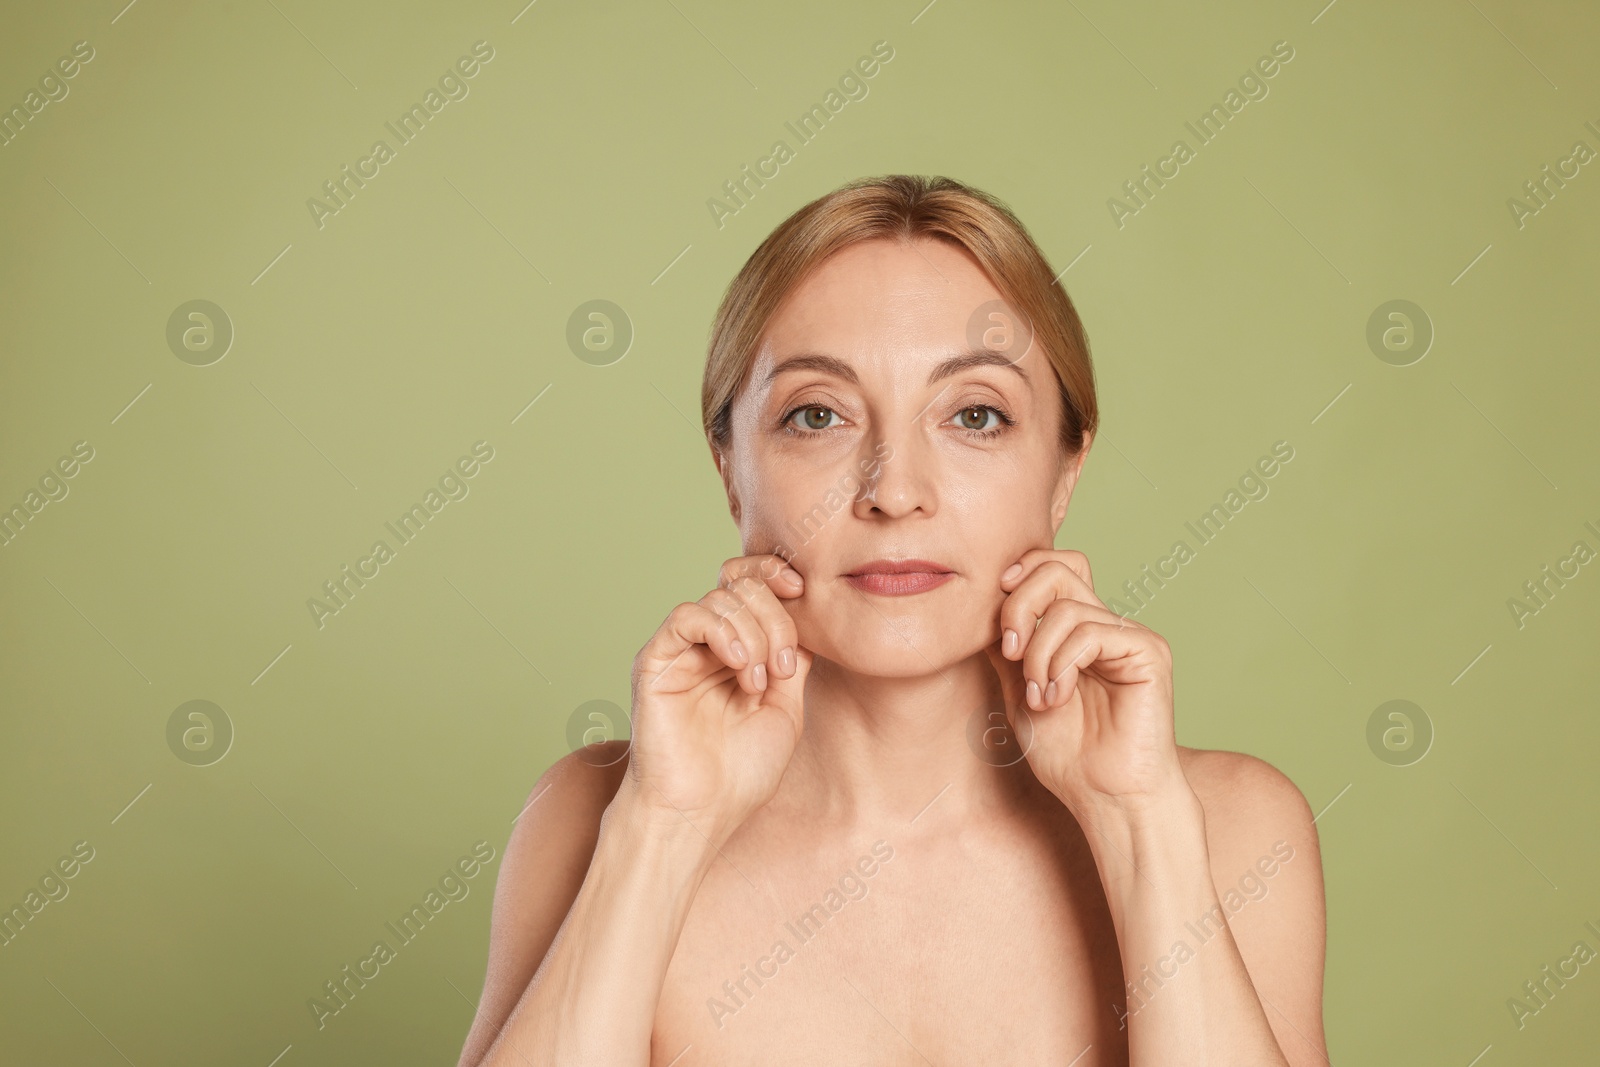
x=813 y=823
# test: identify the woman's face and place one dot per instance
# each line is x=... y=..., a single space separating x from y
x=869 y=433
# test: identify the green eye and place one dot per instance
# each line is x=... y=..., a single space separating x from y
x=813 y=417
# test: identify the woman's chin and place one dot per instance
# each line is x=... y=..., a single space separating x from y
x=879 y=651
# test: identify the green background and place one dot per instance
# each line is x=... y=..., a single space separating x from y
x=1230 y=313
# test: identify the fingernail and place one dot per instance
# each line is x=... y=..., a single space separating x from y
x=1033 y=694
x=786 y=661
x=1050 y=694
x=738 y=651
x=759 y=674
x=1011 y=642
x=1011 y=572
x=792 y=576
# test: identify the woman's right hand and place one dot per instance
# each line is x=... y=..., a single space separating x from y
x=719 y=700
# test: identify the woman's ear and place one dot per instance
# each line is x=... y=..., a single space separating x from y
x=1066 y=481
x=725 y=472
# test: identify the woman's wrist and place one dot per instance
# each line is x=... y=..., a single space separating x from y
x=1149 y=839
x=645 y=827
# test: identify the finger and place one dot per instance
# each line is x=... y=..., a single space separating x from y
x=748 y=641
x=774 y=570
x=1076 y=561
x=1060 y=619
x=1094 y=642
x=1012 y=683
x=690 y=646
x=1049 y=581
x=776 y=624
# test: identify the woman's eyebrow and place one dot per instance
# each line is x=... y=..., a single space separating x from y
x=978 y=357
x=954 y=365
x=826 y=364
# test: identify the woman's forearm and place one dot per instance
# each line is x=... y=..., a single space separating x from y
x=1189 y=997
x=593 y=999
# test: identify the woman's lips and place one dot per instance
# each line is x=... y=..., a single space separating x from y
x=899 y=578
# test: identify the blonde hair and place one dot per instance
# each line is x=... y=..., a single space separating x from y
x=900 y=206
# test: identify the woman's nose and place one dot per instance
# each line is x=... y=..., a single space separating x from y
x=903 y=481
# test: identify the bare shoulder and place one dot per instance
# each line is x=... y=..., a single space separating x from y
x=1243 y=794
x=546 y=859
x=1266 y=864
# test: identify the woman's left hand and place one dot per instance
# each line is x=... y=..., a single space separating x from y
x=1094 y=687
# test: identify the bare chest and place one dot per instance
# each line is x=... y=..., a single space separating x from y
x=950 y=952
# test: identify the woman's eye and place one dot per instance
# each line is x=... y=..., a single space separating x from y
x=814 y=417
x=978 y=417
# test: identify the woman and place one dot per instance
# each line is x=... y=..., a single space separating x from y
x=901 y=789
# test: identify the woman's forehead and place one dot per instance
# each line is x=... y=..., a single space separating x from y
x=879 y=300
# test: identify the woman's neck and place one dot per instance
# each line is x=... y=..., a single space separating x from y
x=881 y=750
